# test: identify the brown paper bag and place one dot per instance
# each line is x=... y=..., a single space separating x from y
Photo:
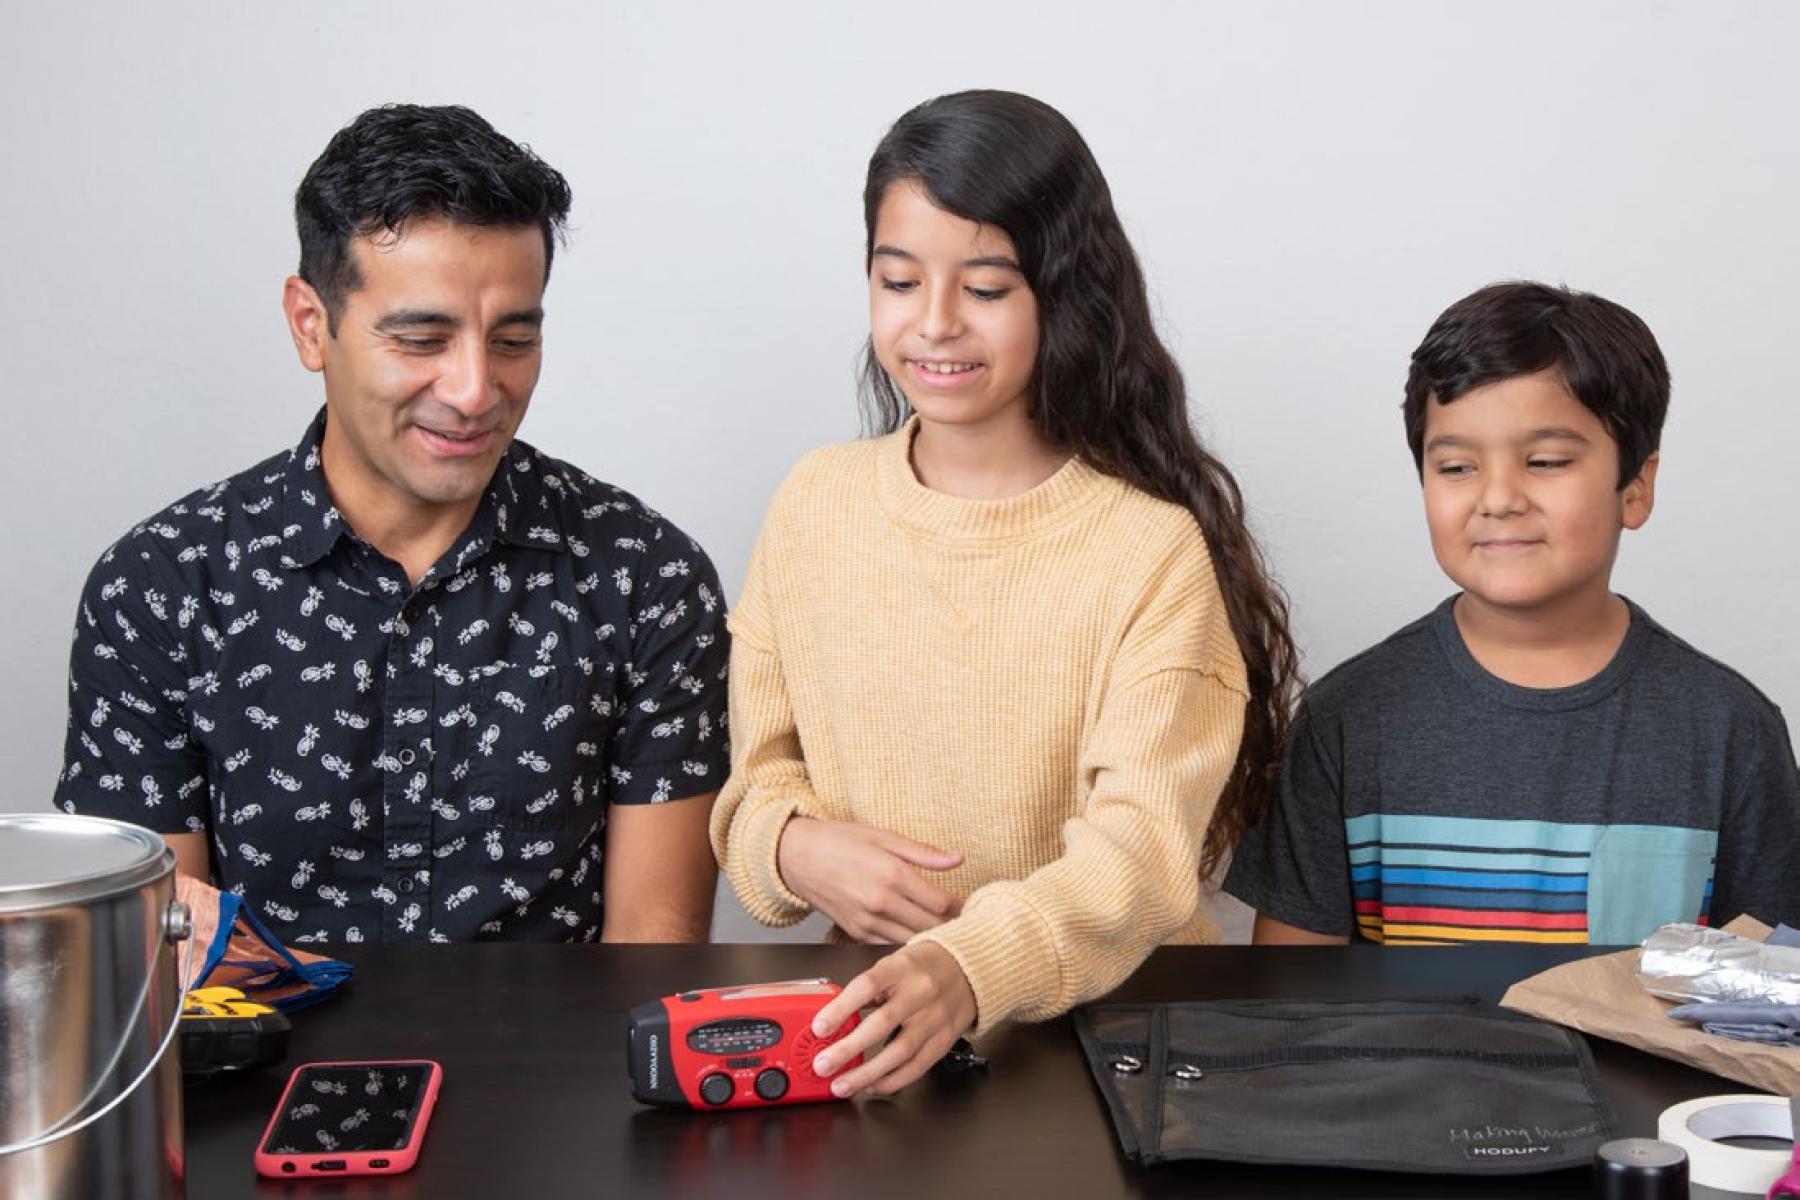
x=1602 y=996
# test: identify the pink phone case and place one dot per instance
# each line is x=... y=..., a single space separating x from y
x=355 y=1162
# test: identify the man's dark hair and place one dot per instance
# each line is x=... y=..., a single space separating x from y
x=404 y=161
x=1605 y=354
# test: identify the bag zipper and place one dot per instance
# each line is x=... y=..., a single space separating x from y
x=1186 y=1065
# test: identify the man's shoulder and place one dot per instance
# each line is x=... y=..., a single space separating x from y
x=229 y=514
x=594 y=515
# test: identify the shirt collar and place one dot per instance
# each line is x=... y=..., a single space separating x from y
x=310 y=523
x=516 y=508
x=524 y=513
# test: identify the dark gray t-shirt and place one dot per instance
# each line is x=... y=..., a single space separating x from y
x=1423 y=799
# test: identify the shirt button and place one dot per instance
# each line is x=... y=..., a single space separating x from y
x=407 y=756
x=407 y=885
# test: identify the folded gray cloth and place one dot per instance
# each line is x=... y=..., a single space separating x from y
x=1745 y=1021
x=1783 y=936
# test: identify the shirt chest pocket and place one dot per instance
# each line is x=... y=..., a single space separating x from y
x=526 y=750
x=1645 y=876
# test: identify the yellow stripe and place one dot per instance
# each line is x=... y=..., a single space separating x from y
x=1395 y=941
x=1372 y=929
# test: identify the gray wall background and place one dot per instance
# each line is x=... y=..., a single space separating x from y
x=1307 y=183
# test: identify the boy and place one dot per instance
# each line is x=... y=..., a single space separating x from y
x=1536 y=760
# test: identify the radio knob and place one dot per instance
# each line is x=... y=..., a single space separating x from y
x=716 y=1088
x=772 y=1084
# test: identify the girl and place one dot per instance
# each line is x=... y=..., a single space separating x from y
x=1007 y=681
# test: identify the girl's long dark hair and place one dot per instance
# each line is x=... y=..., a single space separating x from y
x=1104 y=387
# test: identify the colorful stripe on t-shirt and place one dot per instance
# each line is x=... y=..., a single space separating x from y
x=1434 y=880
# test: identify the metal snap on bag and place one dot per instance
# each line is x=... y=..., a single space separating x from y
x=90 y=996
x=1448 y=1087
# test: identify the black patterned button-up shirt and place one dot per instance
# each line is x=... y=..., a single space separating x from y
x=377 y=761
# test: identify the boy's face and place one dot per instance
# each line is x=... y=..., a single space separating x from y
x=1521 y=495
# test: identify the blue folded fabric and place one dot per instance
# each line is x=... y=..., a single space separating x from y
x=1772 y=1024
x=1783 y=936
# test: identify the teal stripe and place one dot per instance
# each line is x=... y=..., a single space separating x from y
x=1476 y=859
x=1481 y=833
x=1474 y=832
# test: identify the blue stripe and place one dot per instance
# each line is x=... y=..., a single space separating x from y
x=1454 y=877
x=1509 y=880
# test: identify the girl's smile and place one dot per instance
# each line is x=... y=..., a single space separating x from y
x=950 y=315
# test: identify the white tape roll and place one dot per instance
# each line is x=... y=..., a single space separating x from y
x=1696 y=1126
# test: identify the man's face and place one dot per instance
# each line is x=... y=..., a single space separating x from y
x=431 y=368
x=1521 y=494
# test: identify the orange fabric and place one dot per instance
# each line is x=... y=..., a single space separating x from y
x=202 y=900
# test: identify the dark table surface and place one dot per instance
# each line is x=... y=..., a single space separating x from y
x=536 y=1101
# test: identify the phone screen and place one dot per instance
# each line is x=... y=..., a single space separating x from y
x=344 y=1109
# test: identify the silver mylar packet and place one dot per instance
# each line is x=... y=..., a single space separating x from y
x=1692 y=962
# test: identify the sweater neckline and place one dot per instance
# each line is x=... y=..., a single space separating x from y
x=941 y=515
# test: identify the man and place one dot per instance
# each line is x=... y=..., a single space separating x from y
x=413 y=679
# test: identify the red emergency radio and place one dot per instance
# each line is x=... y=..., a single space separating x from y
x=732 y=1047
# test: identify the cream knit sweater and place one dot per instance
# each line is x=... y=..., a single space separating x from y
x=1047 y=683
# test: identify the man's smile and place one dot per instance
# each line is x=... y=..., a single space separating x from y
x=456 y=444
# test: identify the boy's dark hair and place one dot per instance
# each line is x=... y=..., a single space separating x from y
x=1605 y=354
x=402 y=161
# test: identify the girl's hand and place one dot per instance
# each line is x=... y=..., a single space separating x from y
x=919 y=991
x=863 y=878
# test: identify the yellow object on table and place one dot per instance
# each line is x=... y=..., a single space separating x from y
x=222 y=1002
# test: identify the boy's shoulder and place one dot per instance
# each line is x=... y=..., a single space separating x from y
x=1704 y=680
x=1413 y=667
x=1392 y=669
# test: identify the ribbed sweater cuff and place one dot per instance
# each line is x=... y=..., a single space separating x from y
x=758 y=839
x=1005 y=950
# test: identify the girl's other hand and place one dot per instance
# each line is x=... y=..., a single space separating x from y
x=863 y=878
x=918 y=991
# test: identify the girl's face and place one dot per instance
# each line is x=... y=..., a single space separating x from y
x=951 y=318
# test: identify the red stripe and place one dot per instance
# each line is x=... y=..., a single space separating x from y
x=1482 y=919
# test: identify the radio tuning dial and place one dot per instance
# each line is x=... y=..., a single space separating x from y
x=772 y=1084
x=716 y=1088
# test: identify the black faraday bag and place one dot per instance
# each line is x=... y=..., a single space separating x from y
x=1453 y=1087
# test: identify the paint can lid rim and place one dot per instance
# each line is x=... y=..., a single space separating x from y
x=54 y=859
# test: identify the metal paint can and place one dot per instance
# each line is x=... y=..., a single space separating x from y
x=90 y=992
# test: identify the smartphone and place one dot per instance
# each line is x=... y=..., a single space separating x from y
x=349 y=1118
